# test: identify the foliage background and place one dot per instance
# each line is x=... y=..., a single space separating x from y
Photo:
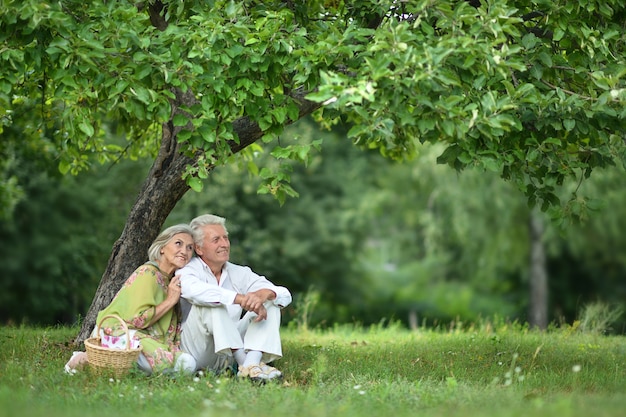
x=531 y=90
x=367 y=240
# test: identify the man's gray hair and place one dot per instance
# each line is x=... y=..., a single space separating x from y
x=154 y=253
x=204 y=220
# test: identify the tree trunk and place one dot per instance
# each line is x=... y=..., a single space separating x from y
x=162 y=189
x=538 y=310
x=158 y=196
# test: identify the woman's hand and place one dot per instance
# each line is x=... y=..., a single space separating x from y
x=173 y=290
x=173 y=295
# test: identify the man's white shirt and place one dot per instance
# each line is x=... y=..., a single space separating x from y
x=200 y=287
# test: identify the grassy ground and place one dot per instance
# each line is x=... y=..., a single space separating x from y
x=347 y=371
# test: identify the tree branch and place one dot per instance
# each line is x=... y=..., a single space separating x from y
x=249 y=132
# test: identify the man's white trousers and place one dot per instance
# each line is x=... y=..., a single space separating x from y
x=210 y=335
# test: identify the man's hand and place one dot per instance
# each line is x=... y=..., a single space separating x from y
x=253 y=301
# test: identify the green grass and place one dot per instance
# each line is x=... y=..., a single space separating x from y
x=506 y=370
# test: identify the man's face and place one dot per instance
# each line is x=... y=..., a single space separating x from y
x=215 y=248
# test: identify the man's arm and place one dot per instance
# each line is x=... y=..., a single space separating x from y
x=253 y=301
x=251 y=282
x=196 y=289
x=254 y=290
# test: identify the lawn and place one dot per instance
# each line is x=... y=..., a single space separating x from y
x=486 y=370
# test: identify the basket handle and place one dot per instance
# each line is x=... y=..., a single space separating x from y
x=122 y=322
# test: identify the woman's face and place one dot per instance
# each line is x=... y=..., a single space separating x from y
x=176 y=253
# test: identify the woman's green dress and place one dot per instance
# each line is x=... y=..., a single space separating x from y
x=136 y=303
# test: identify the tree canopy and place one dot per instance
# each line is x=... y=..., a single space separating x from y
x=532 y=90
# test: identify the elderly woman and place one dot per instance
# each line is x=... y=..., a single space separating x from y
x=148 y=303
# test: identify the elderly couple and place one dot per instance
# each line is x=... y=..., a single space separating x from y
x=206 y=330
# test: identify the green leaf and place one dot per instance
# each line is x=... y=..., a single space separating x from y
x=545 y=59
x=141 y=93
x=491 y=164
x=257 y=88
x=536 y=71
x=558 y=34
x=232 y=9
x=180 y=120
x=265 y=122
x=86 y=128
x=569 y=124
x=195 y=184
x=143 y=71
x=449 y=155
x=553 y=141
x=246 y=83
x=464 y=157
x=529 y=41
x=183 y=135
x=119 y=87
x=253 y=168
x=601 y=80
x=203 y=173
x=448 y=127
x=64 y=166
x=280 y=115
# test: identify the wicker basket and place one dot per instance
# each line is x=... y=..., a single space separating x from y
x=104 y=360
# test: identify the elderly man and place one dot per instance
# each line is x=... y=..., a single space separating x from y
x=215 y=292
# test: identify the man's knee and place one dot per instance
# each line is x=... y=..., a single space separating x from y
x=273 y=310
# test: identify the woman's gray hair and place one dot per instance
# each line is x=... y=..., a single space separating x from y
x=154 y=253
x=204 y=220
